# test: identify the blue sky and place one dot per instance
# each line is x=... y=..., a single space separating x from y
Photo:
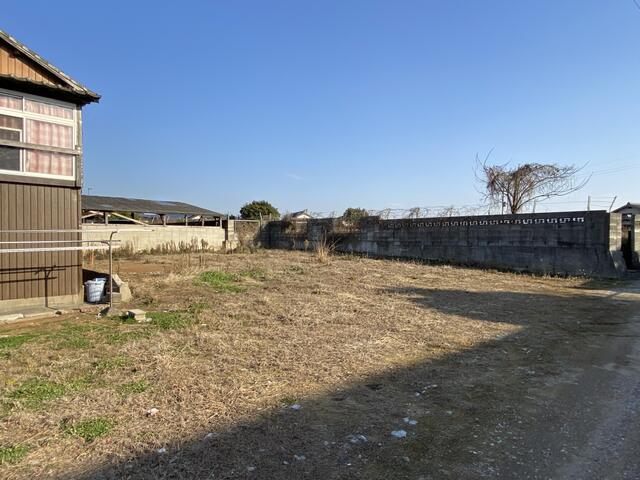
x=329 y=104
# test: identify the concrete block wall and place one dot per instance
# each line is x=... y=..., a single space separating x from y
x=246 y=233
x=158 y=238
x=635 y=242
x=572 y=243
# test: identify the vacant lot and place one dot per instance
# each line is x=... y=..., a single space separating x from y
x=275 y=365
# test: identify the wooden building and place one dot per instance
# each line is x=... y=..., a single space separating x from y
x=40 y=179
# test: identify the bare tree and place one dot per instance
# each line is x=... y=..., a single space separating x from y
x=450 y=211
x=515 y=187
x=385 y=213
x=414 y=212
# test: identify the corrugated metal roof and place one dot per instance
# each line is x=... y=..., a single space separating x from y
x=137 y=205
x=72 y=85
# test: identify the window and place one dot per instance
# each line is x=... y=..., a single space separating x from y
x=48 y=109
x=42 y=123
x=9 y=101
x=10 y=129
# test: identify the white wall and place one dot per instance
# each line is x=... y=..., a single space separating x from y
x=138 y=238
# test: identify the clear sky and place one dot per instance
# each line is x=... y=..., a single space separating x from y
x=329 y=104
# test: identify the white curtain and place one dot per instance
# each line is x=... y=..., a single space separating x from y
x=49 y=163
x=48 y=109
x=7 y=101
x=45 y=133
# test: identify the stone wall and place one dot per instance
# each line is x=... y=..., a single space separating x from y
x=158 y=238
x=246 y=234
x=572 y=243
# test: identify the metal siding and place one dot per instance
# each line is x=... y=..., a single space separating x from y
x=38 y=207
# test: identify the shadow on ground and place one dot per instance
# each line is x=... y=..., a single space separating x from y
x=473 y=408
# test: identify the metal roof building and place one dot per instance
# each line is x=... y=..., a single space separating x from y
x=137 y=205
x=99 y=206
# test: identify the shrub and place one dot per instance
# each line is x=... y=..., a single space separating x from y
x=354 y=214
x=259 y=209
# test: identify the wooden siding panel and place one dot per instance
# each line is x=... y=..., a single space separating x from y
x=19 y=66
x=36 y=275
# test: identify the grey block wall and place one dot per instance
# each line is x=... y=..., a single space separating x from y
x=635 y=242
x=570 y=243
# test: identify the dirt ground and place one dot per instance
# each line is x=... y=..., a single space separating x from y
x=274 y=365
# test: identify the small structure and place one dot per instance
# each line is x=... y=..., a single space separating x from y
x=40 y=179
x=135 y=210
x=628 y=211
x=630 y=214
x=301 y=215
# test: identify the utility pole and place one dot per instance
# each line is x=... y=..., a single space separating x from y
x=589 y=203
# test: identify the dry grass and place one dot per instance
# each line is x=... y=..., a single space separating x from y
x=228 y=352
x=324 y=250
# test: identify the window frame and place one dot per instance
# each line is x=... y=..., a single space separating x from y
x=20 y=150
x=24 y=115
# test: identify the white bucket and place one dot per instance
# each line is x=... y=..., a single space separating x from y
x=93 y=289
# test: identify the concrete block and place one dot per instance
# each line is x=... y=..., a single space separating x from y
x=139 y=315
x=123 y=290
x=10 y=318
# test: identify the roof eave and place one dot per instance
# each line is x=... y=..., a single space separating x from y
x=51 y=91
x=74 y=85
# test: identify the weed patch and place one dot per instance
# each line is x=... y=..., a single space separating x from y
x=35 y=391
x=169 y=320
x=288 y=401
x=12 y=454
x=133 y=388
x=7 y=343
x=118 y=338
x=80 y=383
x=73 y=336
x=256 y=274
x=109 y=364
x=88 y=430
x=198 y=307
x=221 y=281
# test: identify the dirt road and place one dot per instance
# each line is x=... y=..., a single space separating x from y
x=590 y=426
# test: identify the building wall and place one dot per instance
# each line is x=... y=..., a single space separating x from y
x=46 y=274
x=575 y=243
x=138 y=238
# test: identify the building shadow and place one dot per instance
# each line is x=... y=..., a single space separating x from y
x=472 y=405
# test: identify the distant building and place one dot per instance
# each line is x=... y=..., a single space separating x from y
x=628 y=211
x=301 y=215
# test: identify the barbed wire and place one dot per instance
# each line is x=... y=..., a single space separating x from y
x=471 y=210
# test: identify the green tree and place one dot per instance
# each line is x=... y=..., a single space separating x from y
x=353 y=214
x=259 y=209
